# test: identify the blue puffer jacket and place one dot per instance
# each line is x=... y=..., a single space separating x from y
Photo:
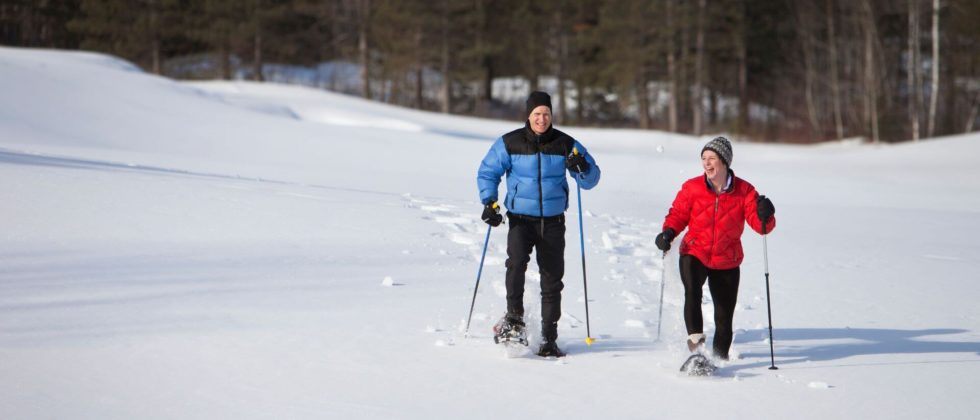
x=535 y=169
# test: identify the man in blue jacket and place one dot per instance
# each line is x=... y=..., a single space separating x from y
x=535 y=159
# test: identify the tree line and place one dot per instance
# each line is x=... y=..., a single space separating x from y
x=772 y=70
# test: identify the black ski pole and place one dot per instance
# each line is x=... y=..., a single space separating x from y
x=581 y=237
x=477 y=287
x=663 y=279
x=765 y=259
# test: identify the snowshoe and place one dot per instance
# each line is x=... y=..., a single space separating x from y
x=698 y=365
x=510 y=329
x=550 y=349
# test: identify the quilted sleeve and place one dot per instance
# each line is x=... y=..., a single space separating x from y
x=680 y=212
x=591 y=177
x=494 y=165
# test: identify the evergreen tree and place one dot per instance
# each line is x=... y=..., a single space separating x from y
x=808 y=70
x=132 y=29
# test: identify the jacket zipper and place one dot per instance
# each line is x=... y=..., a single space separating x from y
x=714 y=228
x=540 y=188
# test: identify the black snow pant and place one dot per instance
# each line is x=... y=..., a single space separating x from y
x=548 y=238
x=723 y=285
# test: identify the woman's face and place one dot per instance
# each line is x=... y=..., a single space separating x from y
x=712 y=164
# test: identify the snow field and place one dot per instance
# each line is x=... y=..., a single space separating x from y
x=240 y=250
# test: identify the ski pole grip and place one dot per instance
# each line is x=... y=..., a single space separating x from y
x=575 y=153
x=496 y=209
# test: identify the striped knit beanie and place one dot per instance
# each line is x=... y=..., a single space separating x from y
x=722 y=147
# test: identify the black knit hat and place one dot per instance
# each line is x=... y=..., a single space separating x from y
x=722 y=147
x=536 y=99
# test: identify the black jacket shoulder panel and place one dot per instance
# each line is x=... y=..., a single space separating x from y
x=522 y=142
x=517 y=143
x=559 y=144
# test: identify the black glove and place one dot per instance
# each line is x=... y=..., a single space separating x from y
x=577 y=163
x=491 y=215
x=764 y=208
x=665 y=238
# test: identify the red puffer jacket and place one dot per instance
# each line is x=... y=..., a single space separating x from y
x=715 y=221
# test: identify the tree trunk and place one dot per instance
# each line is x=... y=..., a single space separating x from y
x=741 y=54
x=870 y=78
x=684 y=91
x=560 y=62
x=392 y=87
x=920 y=103
x=834 y=77
x=156 y=56
x=488 y=79
x=646 y=37
x=330 y=13
x=484 y=97
x=934 y=98
x=419 y=68
x=29 y=34
x=155 y=37
x=533 y=78
x=362 y=46
x=712 y=108
x=973 y=113
x=671 y=68
x=419 y=87
x=257 y=59
x=913 y=68
x=225 y=52
x=809 y=66
x=644 y=101
x=446 y=82
x=696 y=99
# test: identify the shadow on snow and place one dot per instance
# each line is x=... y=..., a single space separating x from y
x=801 y=345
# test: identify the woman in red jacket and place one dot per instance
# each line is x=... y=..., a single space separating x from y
x=714 y=208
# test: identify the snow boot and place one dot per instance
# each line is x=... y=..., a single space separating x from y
x=695 y=341
x=550 y=349
x=698 y=364
x=510 y=329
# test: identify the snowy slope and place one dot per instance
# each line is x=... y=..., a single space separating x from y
x=239 y=250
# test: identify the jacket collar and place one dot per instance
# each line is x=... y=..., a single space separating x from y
x=728 y=184
x=543 y=138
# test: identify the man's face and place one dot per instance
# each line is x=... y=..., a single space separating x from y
x=540 y=119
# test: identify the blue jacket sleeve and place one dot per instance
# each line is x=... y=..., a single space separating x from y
x=494 y=165
x=590 y=178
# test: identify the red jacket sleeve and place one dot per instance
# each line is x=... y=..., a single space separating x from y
x=680 y=212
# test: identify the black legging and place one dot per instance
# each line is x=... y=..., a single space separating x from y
x=723 y=285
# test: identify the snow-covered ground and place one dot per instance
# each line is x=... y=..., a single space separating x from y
x=238 y=250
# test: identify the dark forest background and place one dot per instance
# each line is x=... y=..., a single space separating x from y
x=768 y=70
